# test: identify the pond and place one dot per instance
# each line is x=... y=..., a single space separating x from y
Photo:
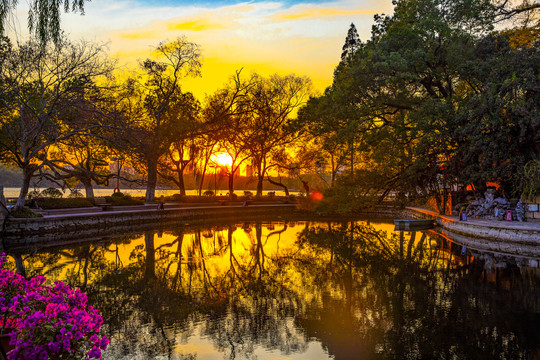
x=300 y=290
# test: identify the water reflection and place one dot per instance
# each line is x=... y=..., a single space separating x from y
x=342 y=290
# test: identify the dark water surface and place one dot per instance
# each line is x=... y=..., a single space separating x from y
x=300 y=290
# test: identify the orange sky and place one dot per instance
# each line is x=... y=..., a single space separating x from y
x=304 y=38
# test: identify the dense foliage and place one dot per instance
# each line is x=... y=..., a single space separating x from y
x=435 y=98
x=444 y=94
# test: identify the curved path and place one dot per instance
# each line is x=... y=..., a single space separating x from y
x=500 y=236
x=76 y=224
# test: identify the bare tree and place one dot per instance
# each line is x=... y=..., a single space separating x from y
x=81 y=159
x=273 y=101
x=40 y=84
x=157 y=108
x=179 y=157
x=230 y=108
x=207 y=144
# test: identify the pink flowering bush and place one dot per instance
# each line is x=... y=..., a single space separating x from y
x=48 y=322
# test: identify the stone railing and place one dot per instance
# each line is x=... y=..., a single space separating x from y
x=24 y=232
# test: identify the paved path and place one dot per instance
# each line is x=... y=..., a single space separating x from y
x=533 y=224
x=92 y=211
x=515 y=225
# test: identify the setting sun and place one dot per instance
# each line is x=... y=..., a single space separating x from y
x=222 y=159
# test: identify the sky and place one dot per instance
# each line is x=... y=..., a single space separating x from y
x=291 y=36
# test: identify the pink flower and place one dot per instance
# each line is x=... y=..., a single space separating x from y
x=39 y=313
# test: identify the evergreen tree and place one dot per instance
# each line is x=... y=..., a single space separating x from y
x=352 y=43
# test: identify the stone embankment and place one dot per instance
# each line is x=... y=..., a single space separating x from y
x=500 y=236
x=68 y=227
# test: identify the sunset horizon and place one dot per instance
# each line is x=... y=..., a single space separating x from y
x=265 y=37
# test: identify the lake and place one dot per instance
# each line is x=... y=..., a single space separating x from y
x=300 y=290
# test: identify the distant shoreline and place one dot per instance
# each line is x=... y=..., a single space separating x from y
x=13 y=192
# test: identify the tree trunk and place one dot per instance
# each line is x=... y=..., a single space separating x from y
x=178 y=274
x=352 y=159
x=260 y=185
x=150 y=271
x=201 y=184
x=260 y=250
x=231 y=253
x=285 y=188
x=88 y=188
x=19 y=265
x=28 y=172
x=231 y=184
x=181 y=185
x=203 y=176
x=260 y=179
x=152 y=180
x=333 y=163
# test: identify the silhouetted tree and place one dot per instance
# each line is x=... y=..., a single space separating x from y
x=272 y=101
x=229 y=108
x=40 y=84
x=156 y=111
x=352 y=44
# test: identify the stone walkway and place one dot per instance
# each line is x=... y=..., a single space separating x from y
x=118 y=210
x=514 y=225
x=530 y=224
x=510 y=232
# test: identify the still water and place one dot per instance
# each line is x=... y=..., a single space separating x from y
x=300 y=290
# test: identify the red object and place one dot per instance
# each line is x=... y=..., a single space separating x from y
x=508 y=215
x=488 y=184
x=315 y=195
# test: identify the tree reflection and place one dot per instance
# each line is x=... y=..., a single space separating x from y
x=360 y=291
x=410 y=300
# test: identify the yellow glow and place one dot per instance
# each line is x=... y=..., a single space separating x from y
x=314 y=13
x=247 y=37
x=265 y=37
x=196 y=25
x=222 y=159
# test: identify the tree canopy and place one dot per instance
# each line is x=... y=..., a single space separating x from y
x=436 y=97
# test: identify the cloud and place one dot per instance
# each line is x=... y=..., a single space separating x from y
x=196 y=25
x=259 y=36
x=314 y=13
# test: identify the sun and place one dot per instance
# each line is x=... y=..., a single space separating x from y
x=222 y=159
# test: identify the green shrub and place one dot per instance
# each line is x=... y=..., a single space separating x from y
x=24 y=212
x=345 y=198
x=61 y=203
x=75 y=194
x=34 y=194
x=51 y=192
x=176 y=197
x=528 y=181
x=305 y=203
x=120 y=199
x=208 y=193
x=248 y=193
